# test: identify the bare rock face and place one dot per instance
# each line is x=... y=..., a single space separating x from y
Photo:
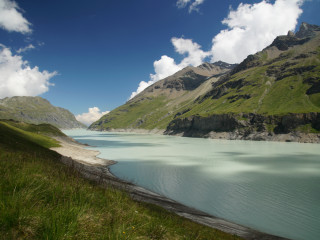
x=307 y=30
x=188 y=81
x=245 y=126
x=284 y=42
x=305 y=33
x=190 y=78
x=290 y=34
x=249 y=62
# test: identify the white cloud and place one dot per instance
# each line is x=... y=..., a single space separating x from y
x=182 y=3
x=29 y=47
x=17 y=78
x=93 y=115
x=252 y=27
x=167 y=66
x=192 y=7
x=164 y=67
x=193 y=50
x=11 y=19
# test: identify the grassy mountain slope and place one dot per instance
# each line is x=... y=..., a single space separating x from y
x=41 y=198
x=158 y=104
x=281 y=79
x=37 y=110
x=286 y=84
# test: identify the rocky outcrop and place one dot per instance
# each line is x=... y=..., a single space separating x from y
x=305 y=33
x=283 y=43
x=189 y=81
x=250 y=62
x=221 y=88
x=301 y=127
x=307 y=30
x=190 y=78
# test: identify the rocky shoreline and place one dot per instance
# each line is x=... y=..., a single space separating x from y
x=96 y=169
x=293 y=127
x=298 y=127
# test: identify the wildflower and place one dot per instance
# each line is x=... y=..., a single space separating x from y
x=124 y=232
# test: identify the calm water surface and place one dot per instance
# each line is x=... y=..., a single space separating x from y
x=269 y=186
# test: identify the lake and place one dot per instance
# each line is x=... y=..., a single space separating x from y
x=272 y=187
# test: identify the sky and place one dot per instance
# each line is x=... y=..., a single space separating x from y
x=92 y=56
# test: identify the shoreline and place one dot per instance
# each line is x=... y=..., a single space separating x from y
x=86 y=162
x=255 y=136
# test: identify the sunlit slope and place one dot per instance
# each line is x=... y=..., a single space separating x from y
x=288 y=83
x=283 y=78
x=158 y=104
x=41 y=198
x=37 y=110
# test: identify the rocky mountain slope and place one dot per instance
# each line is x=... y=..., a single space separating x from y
x=271 y=95
x=158 y=104
x=37 y=110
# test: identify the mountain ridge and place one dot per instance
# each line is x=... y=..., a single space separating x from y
x=37 y=110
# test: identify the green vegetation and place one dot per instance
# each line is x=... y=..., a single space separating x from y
x=133 y=114
x=41 y=198
x=44 y=128
x=307 y=129
x=37 y=110
x=14 y=137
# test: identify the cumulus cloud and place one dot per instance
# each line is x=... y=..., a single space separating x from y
x=91 y=116
x=26 y=48
x=195 y=55
x=192 y=7
x=252 y=27
x=17 y=78
x=167 y=66
x=11 y=18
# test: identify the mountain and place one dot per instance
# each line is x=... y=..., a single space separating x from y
x=271 y=95
x=158 y=104
x=37 y=110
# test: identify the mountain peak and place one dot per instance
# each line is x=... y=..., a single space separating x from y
x=305 y=34
x=224 y=65
x=307 y=30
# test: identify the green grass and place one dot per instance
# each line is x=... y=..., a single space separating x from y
x=18 y=139
x=307 y=128
x=41 y=198
x=36 y=110
x=268 y=97
x=44 y=128
x=129 y=114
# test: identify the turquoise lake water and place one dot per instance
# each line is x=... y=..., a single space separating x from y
x=269 y=186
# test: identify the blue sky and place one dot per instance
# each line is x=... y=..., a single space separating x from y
x=98 y=51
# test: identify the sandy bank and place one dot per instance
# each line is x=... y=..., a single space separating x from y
x=93 y=168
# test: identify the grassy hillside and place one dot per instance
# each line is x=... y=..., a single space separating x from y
x=37 y=110
x=281 y=79
x=275 y=87
x=157 y=105
x=40 y=198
